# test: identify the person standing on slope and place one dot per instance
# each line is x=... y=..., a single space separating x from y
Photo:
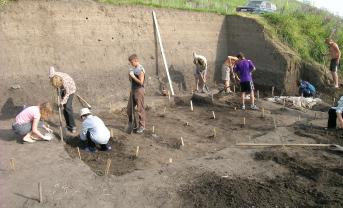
x=335 y=55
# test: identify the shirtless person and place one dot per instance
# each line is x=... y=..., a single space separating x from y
x=335 y=55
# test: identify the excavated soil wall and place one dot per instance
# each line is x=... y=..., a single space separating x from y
x=91 y=42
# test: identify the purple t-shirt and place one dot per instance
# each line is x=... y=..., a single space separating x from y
x=244 y=68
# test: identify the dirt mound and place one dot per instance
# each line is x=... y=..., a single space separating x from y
x=310 y=183
x=211 y=190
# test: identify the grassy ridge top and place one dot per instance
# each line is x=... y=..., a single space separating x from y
x=302 y=27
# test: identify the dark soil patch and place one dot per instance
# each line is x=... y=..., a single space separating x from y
x=319 y=133
x=210 y=190
x=122 y=161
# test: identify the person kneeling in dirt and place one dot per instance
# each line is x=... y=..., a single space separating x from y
x=245 y=68
x=93 y=132
x=306 y=89
x=200 y=73
x=227 y=70
x=67 y=88
x=137 y=77
x=28 y=122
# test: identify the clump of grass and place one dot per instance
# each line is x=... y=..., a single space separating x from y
x=305 y=28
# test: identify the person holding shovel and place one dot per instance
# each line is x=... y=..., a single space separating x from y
x=227 y=70
x=28 y=123
x=335 y=55
x=244 y=68
x=94 y=132
x=200 y=72
x=67 y=88
x=136 y=76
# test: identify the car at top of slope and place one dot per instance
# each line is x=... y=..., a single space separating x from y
x=257 y=7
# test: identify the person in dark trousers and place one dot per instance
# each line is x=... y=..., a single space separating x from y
x=67 y=88
x=335 y=113
x=136 y=76
x=93 y=132
x=306 y=89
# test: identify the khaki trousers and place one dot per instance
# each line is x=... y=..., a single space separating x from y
x=138 y=100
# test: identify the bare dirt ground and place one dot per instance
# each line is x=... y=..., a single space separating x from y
x=208 y=171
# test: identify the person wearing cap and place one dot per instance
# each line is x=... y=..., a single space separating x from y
x=93 y=132
x=200 y=72
x=67 y=88
x=244 y=68
x=28 y=123
x=227 y=70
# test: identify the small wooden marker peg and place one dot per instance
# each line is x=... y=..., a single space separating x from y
x=164 y=110
x=111 y=132
x=170 y=160
x=214 y=115
x=299 y=118
x=12 y=164
x=108 y=165
x=192 y=106
x=258 y=95
x=137 y=151
x=235 y=108
x=334 y=101
x=284 y=103
x=214 y=132
x=243 y=121
x=234 y=88
x=273 y=91
x=79 y=153
x=40 y=192
x=153 y=129
x=182 y=143
x=169 y=95
x=262 y=112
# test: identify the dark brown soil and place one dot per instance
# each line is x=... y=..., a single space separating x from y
x=122 y=161
x=308 y=184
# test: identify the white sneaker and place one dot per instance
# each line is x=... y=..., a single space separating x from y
x=254 y=107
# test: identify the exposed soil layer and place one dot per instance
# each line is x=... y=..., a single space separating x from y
x=313 y=181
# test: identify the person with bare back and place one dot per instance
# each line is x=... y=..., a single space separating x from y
x=335 y=55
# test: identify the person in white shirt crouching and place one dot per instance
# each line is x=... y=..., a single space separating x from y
x=94 y=132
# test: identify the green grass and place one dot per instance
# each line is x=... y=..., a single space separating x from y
x=216 y=6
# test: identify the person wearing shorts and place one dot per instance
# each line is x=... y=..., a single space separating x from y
x=335 y=55
x=227 y=70
x=244 y=69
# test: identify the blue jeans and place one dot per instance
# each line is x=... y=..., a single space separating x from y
x=23 y=129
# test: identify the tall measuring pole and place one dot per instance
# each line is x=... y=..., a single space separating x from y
x=162 y=52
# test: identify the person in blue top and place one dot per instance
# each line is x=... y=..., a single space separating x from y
x=306 y=89
x=93 y=131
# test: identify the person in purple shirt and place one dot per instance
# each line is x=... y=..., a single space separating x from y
x=244 y=69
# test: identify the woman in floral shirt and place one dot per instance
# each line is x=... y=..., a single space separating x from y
x=67 y=88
